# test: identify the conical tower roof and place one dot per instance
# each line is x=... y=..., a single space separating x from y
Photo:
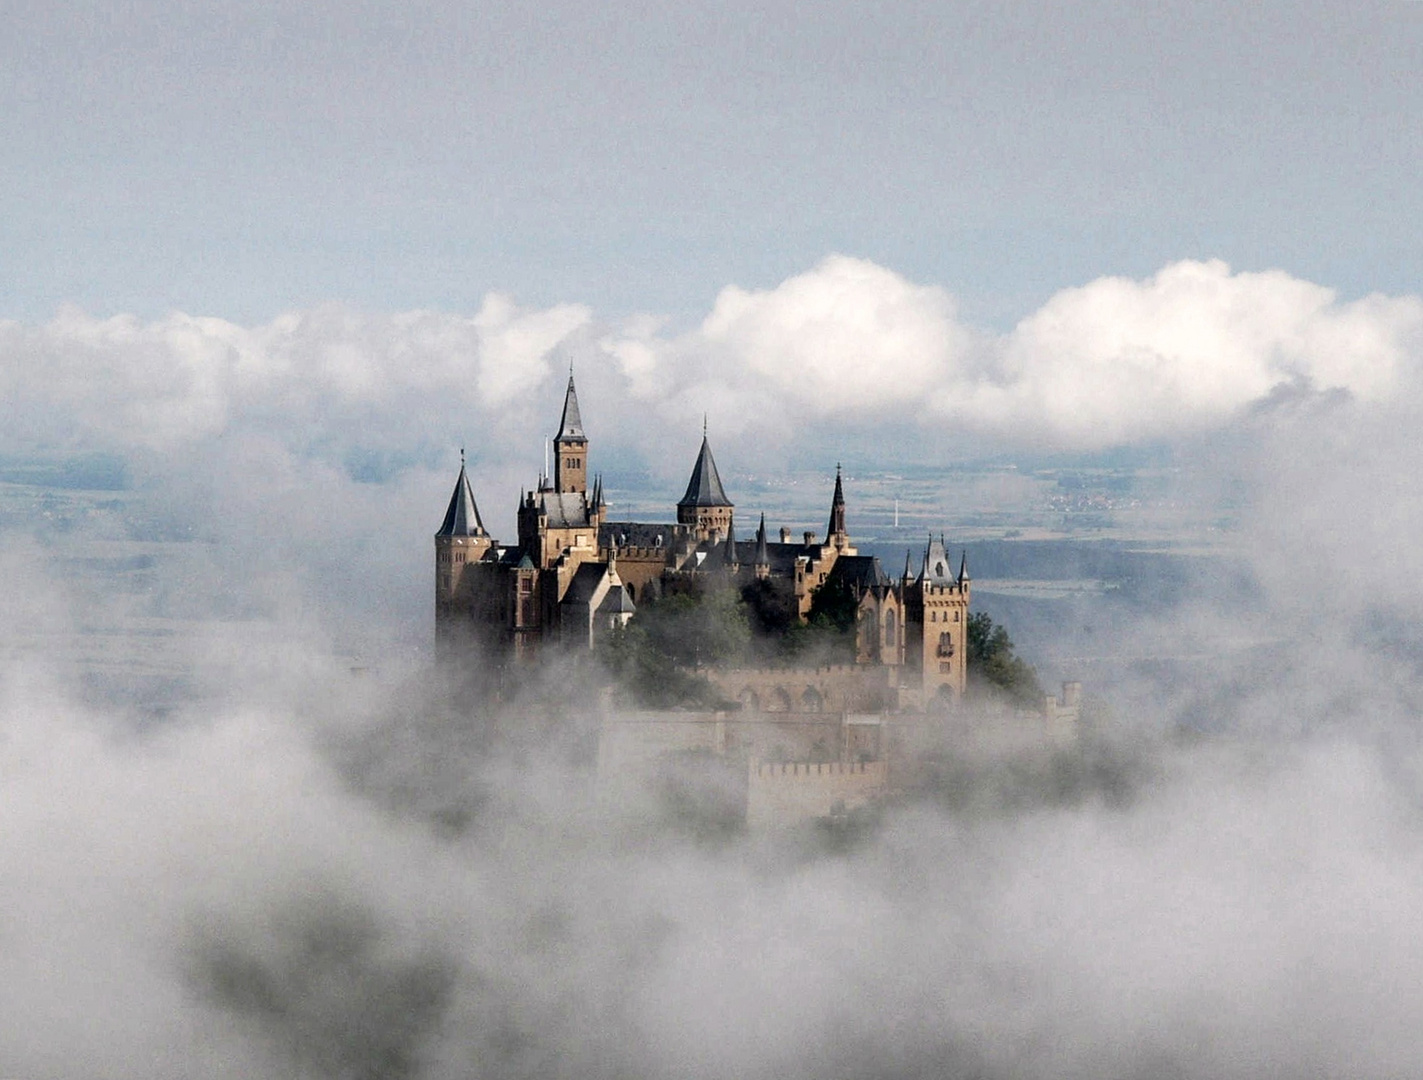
x=571 y=425
x=763 y=553
x=704 y=488
x=462 y=517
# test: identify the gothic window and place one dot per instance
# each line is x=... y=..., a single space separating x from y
x=946 y=645
x=889 y=627
x=811 y=701
x=780 y=701
x=933 y=616
x=749 y=701
x=956 y=616
x=938 y=569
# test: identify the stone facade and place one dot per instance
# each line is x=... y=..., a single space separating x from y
x=574 y=574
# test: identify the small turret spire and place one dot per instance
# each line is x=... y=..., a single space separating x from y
x=728 y=553
x=963 y=567
x=763 y=553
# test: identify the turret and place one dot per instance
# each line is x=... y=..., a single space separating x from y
x=728 y=552
x=705 y=506
x=460 y=542
x=762 y=559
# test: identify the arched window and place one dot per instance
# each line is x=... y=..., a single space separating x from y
x=749 y=701
x=780 y=701
x=811 y=701
x=946 y=645
x=890 y=627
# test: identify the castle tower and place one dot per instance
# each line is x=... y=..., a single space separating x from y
x=461 y=542
x=570 y=447
x=761 y=562
x=705 y=506
x=936 y=613
x=835 y=533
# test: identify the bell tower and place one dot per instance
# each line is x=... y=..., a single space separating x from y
x=570 y=446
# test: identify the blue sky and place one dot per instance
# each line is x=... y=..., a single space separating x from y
x=249 y=158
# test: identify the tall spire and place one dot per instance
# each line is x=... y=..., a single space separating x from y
x=837 y=508
x=963 y=567
x=571 y=426
x=763 y=553
x=570 y=447
x=462 y=517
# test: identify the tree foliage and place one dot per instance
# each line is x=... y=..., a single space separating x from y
x=993 y=665
x=656 y=656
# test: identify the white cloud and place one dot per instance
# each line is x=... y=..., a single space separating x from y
x=1119 y=360
x=848 y=341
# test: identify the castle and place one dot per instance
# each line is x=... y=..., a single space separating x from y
x=574 y=575
x=794 y=743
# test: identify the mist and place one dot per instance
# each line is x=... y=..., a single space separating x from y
x=318 y=856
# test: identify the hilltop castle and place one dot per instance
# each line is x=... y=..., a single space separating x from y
x=574 y=575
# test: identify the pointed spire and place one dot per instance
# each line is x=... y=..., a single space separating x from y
x=462 y=517
x=837 y=508
x=963 y=567
x=728 y=552
x=907 y=576
x=704 y=488
x=571 y=426
x=763 y=553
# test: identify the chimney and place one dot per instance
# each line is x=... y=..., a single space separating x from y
x=785 y=535
x=809 y=537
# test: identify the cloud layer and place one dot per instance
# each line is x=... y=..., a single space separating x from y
x=1114 y=361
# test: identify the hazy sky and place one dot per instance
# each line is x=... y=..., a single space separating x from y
x=273 y=264
x=247 y=158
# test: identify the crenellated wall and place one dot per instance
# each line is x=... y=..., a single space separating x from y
x=788 y=793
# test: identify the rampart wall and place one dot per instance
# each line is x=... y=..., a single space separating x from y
x=787 y=793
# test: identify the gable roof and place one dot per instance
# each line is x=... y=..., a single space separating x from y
x=704 y=488
x=584 y=585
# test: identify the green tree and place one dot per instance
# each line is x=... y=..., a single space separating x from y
x=994 y=667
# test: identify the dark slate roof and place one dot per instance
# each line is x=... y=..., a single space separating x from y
x=636 y=534
x=937 y=569
x=565 y=509
x=860 y=571
x=462 y=518
x=704 y=488
x=586 y=580
x=617 y=602
x=762 y=556
x=571 y=426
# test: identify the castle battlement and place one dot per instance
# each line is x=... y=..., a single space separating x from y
x=811 y=769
